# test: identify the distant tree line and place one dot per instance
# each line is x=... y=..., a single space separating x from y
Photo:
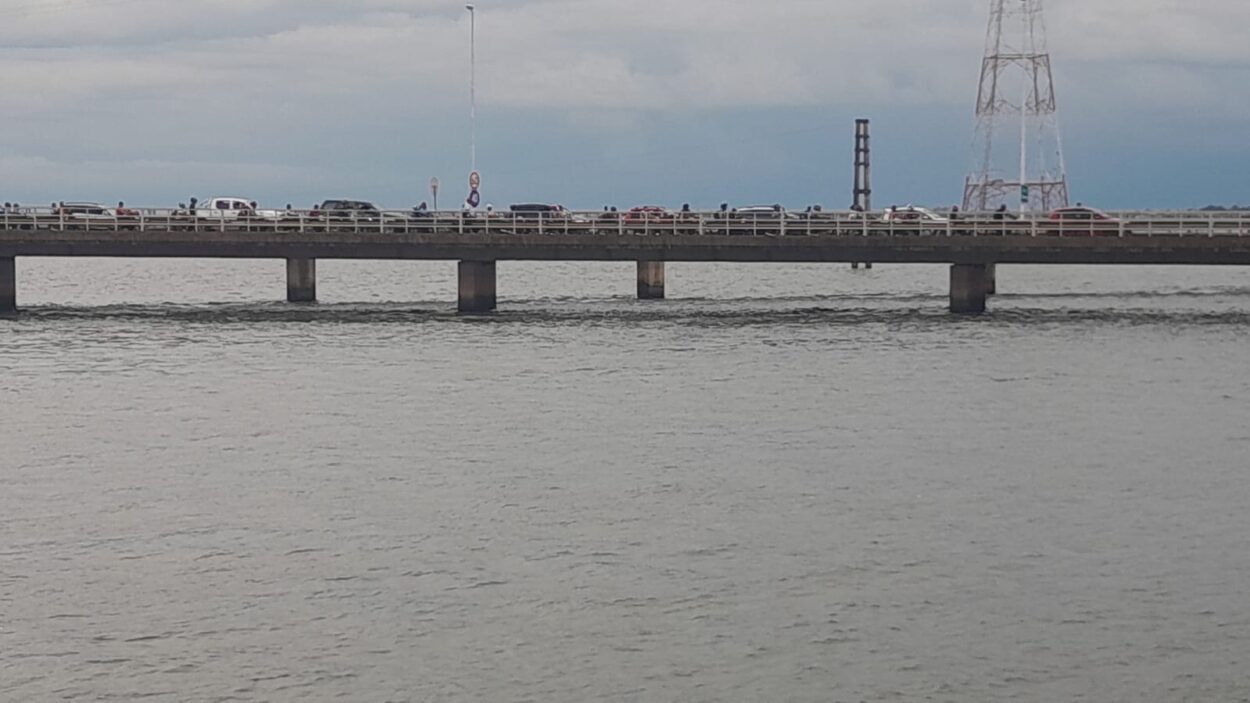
x=1224 y=208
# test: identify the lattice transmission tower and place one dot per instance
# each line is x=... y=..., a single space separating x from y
x=1018 y=150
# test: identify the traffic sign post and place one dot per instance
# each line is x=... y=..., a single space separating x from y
x=475 y=182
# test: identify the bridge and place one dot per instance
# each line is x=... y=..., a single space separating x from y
x=972 y=244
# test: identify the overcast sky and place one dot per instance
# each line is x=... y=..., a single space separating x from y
x=595 y=102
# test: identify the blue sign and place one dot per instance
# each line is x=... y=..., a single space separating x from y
x=475 y=199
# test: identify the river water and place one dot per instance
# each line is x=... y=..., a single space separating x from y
x=785 y=483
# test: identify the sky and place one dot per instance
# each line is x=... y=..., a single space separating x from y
x=598 y=102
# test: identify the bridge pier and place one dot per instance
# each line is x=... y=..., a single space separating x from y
x=969 y=285
x=991 y=279
x=301 y=280
x=650 y=280
x=8 y=285
x=477 y=286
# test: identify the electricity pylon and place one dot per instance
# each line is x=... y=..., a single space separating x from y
x=1018 y=151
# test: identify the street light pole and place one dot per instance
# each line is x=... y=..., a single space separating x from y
x=472 y=86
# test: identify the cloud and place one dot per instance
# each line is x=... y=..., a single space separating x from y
x=299 y=84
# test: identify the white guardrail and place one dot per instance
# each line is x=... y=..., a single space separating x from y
x=643 y=223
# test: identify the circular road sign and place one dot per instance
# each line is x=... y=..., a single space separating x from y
x=475 y=199
x=475 y=180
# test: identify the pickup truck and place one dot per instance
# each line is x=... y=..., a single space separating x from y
x=227 y=208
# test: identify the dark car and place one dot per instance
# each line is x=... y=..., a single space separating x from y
x=538 y=211
x=357 y=213
x=349 y=209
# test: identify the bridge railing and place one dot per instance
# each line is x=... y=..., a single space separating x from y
x=779 y=224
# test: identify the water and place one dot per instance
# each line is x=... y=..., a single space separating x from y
x=786 y=483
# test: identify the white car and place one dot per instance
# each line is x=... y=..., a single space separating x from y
x=912 y=213
x=228 y=208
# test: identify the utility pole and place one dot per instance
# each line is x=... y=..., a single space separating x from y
x=861 y=197
x=475 y=179
x=1016 y=84
x=472 y=86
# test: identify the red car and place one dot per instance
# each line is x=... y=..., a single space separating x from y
x=1081 y=221
x=648 y=213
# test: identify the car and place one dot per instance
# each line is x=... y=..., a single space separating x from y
x=357 y=212
x=912 y=213
x=649 y=213
x=559 y=216
x=758 y=219
x=912 y=219
x=1082 y=221
x=86 y=215
x=537 y=211
x=232 y=208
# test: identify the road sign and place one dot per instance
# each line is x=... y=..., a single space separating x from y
x=475 y=180
x=434 y=186
x=475 y=199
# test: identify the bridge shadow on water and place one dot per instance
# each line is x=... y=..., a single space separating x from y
x=913 y=311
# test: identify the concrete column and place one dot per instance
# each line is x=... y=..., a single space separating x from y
x=968 y=285
x=301 y=280
x=991 y=279
x=8 y=285
x=477 y=286
x=650 y=280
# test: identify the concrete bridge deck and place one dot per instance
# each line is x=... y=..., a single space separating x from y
x=973 y=245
